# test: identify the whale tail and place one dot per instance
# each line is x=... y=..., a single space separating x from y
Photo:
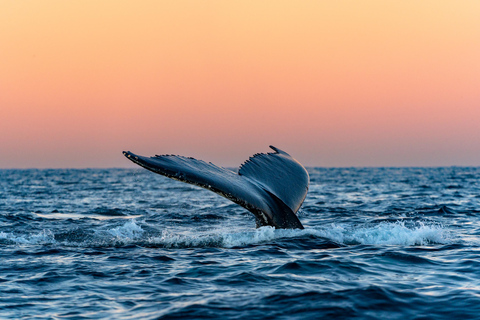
x=272 y=186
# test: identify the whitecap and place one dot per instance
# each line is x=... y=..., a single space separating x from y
x=128 y=231
x=387 y=233
x=42 y=237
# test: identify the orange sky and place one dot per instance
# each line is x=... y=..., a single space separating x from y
x=335 y=83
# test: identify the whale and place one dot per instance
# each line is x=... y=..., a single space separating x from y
x=270 y=185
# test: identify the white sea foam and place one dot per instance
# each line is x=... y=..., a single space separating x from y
x=386 y=233
x=42 y=237
x=396 y=233
x=216 y=238
x=129 y=231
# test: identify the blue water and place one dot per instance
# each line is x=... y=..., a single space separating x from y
x=379 y=243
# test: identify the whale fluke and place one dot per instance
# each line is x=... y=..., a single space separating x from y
x=270 y=185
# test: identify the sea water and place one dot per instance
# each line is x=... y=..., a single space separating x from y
x=378 y=243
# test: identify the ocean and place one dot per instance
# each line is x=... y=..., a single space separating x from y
x=378 y=243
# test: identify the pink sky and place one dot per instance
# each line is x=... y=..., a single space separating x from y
x=334 y=83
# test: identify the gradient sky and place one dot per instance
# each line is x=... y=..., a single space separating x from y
x=334 y=83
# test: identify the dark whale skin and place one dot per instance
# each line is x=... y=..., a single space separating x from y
x=272 y=185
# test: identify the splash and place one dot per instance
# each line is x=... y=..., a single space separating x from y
x=42 y=237
x=391 y=233
x=387 y=233
x=131 y=232
x=219 y=238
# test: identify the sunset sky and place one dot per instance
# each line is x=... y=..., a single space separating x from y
x=334 y=83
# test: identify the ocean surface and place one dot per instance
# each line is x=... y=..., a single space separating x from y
x=379 y=243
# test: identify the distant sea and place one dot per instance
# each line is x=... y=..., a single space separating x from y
x=379 y=243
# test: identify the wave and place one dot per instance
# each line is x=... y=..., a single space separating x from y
x=396 y=233
x=140 y=233
x=42 y=237
x=388 y=233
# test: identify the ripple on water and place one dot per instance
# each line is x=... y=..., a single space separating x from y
x=394 y=243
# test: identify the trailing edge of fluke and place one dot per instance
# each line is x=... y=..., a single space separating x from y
x=272 y=185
